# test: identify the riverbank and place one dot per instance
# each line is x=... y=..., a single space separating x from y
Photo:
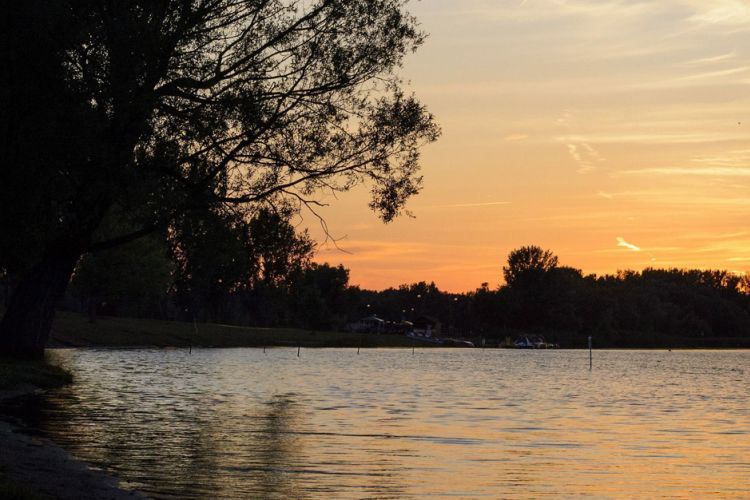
x=31 y=469
x=38 y=470
x=75 y=330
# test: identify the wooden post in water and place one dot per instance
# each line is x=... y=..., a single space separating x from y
x=591 y=357
x=412 y=345
x=195 y=326
x=299 y=343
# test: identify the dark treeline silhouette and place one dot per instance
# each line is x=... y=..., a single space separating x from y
x=124 y=120
x=216 y=267
x=650 y=308
x=264 y=276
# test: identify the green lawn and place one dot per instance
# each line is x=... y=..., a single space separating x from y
x=16 y=373
x=72 y=329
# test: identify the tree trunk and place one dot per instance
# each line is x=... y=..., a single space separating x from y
x=93 y=303
x=6 y=298
x=26 y=326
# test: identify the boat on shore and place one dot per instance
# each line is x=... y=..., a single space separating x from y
x=425 y=338
x=445 y=342
x=457 y=343
x=533 y=341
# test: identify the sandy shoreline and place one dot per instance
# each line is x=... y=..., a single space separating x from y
x=51 y=470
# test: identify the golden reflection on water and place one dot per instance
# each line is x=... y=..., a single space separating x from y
x=236 y=424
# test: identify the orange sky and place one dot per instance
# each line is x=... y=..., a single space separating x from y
x=612 y=132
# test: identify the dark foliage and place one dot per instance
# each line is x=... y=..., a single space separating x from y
x=652 y=308
x=162 y=108
x=655 y=307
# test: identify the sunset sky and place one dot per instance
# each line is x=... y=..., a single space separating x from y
x=614 y=133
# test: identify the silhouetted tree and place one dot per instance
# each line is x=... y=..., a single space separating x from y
x=526 y=262
x=279 y=254
x=487 y=308
x=319 y=297
x=212 y=260
x=278 y=250
x=159 y=106
x=528 y=278
x=139 y=271
x=223 y=259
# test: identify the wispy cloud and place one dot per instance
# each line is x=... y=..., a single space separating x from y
x=606 y=195
x=714 y=74
x=365 y=250
x=516 y=137
x=579 y=147
x=704 y=171
x=701 y=61
x=622 y=243
x=593 y=153
x=462 y=205
x=379 y=264
x=585 y=155
x=740 y=235
x=657 y=138
x=723 y=12
x=584 y=166
x=735 y=159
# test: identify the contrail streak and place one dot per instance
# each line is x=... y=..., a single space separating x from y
x=469 y=205
x=622 y=243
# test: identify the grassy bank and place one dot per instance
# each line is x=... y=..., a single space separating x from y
x=634 y=339
x=72 y=329
x=75 y=330
x=16 y=373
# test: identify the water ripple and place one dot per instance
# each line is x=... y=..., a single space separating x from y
x=386 y=424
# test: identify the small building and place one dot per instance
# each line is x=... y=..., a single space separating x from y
x=427 y=326
x=371 y=324
x=402 y=328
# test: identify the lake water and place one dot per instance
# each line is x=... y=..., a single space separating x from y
x=389 y=424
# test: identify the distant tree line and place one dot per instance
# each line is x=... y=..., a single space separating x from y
x=258 y=271
x=653 y=307
x=650 y=308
